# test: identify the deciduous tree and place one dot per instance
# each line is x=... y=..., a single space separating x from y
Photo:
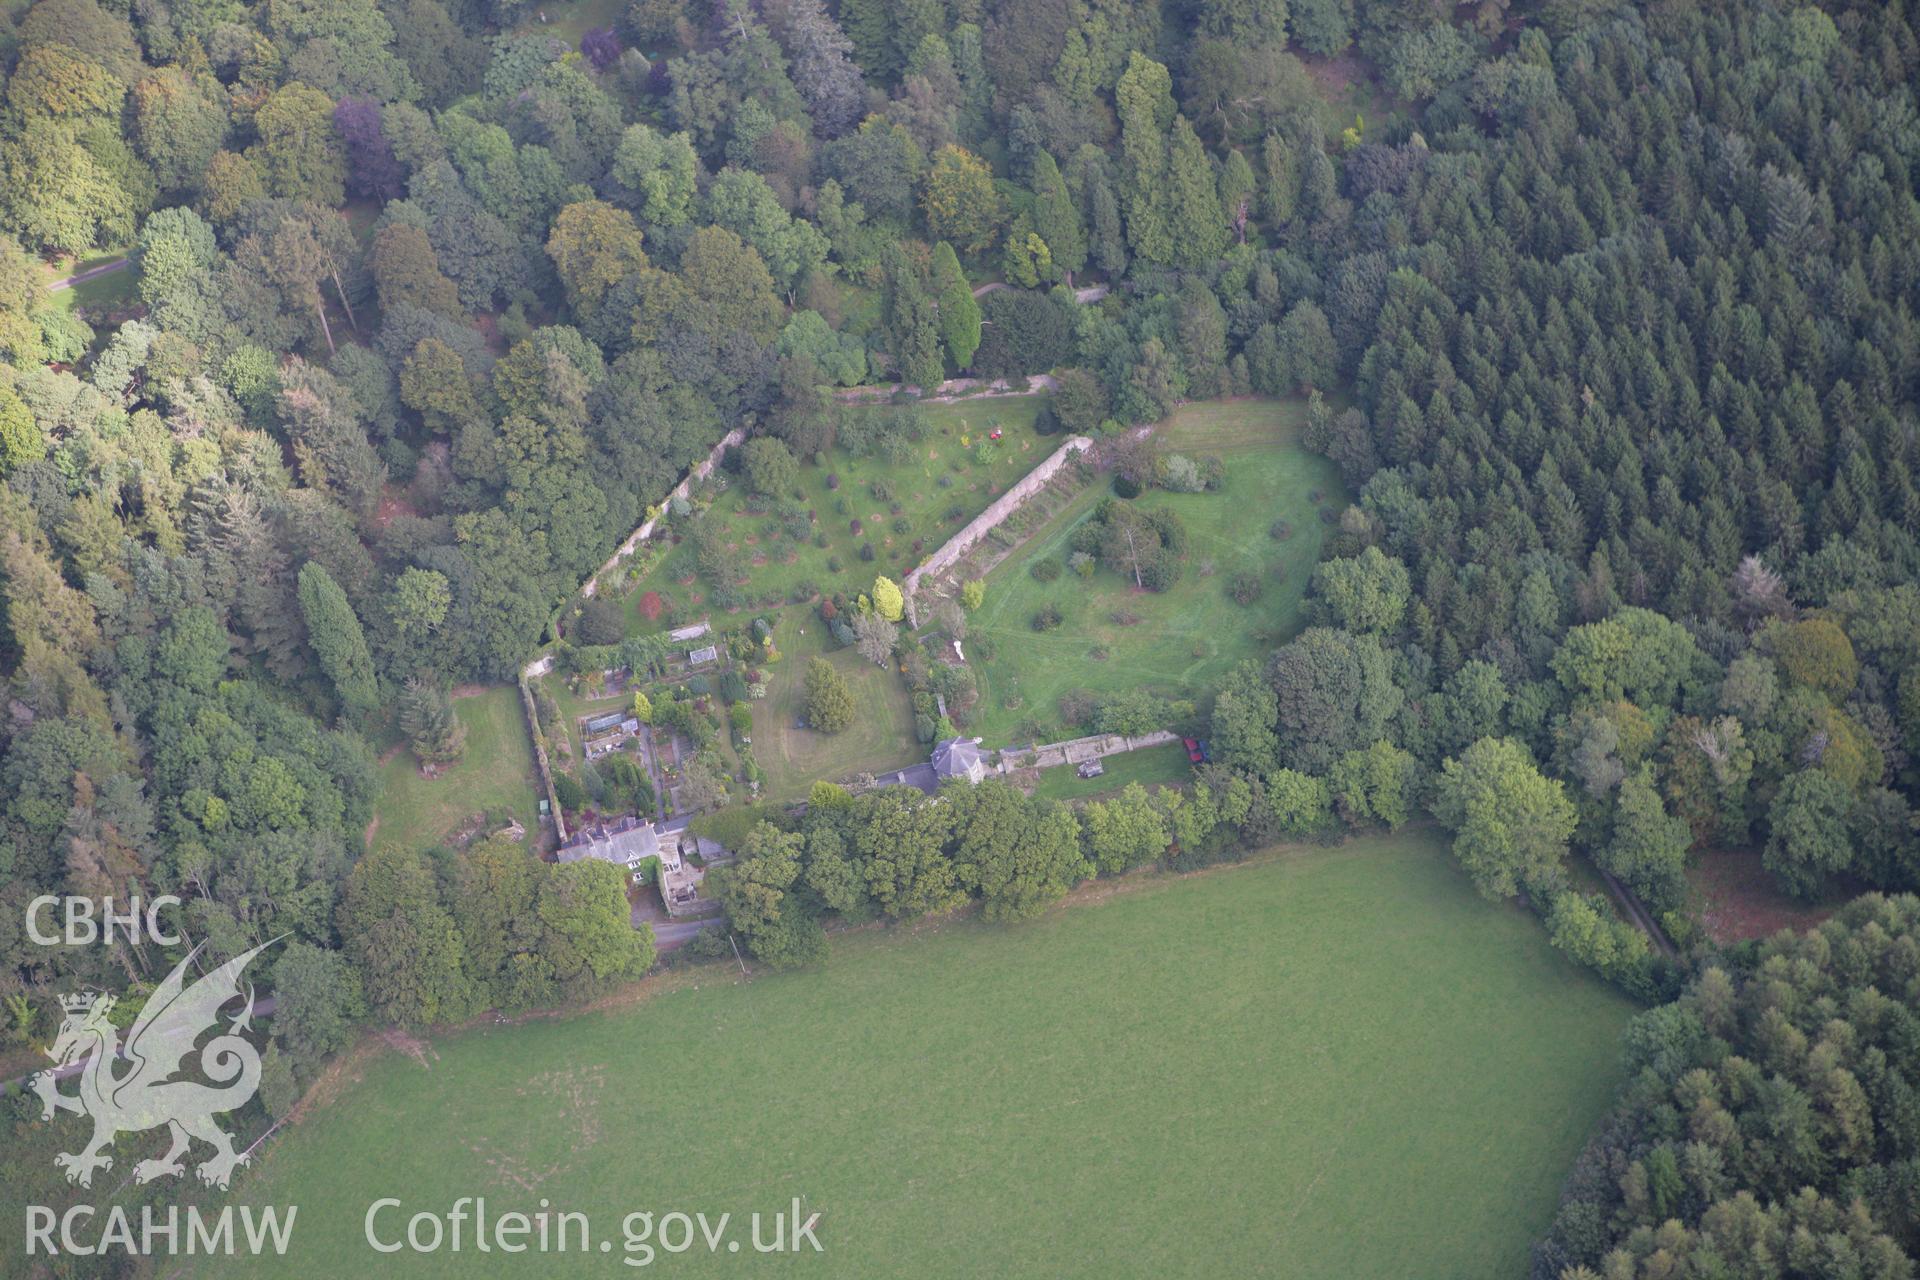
x=1510 y=824
x=177 y=122
x=1020 y=855
x=587 y=932
x=593 y=246
x=407 y=270
x=1375 y=785
x=875 y=638
x=1648 y=846
x=657 y=173
x=299 y=154
x=757 y=892
x=1125 y=832
x=409 y=954
x=960 y=200
x=1808 y=825
x=318 y=998
x=1334 y=693
x=1365 y=593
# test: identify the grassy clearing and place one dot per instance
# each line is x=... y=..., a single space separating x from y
x=880 y=737
x=495 y=772
x=102 y=301
x=568 y=20
x=1184 y=638
x=360 y=217
x=937 y=491
x=106 y=292
x=1333 y=1064
x=1349 y=87
x=1739 y=899
x=61 y=266
x=1165 y=766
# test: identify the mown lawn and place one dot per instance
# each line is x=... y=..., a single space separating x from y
x=1164 y=766
x=942 y=486
x=496 y=772
x=879 y=739
x=1180 y=641
x=1329 y=1065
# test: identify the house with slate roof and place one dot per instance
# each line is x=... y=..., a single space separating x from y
x=959 y=758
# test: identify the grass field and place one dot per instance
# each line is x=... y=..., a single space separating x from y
x=942 y=487
x=495 y=772
x=1330 y=1064
x=1165 y=766
x=880 y=737
x=1187 y=636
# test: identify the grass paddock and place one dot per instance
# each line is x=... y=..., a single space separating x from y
x=496 y=771
x=1334 y=1063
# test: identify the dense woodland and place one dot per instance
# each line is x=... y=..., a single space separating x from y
x=1768 y=1129
x=1610 y=326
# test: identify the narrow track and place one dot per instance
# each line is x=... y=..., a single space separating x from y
x=81 y=277
x=1640 y=916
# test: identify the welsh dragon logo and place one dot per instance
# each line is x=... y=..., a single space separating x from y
x=145 y=1095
